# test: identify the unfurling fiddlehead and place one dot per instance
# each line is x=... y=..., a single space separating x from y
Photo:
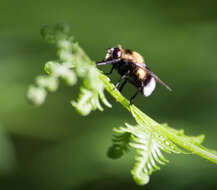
x=148 y=138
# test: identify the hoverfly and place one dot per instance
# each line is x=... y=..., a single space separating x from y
x=132 y=68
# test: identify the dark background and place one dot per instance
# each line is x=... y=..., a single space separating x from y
x=52 y=147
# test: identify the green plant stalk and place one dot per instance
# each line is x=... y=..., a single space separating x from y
x=195 y=149
x=198 y=150
x=148 y=137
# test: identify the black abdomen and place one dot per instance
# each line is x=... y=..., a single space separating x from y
x=122 y=68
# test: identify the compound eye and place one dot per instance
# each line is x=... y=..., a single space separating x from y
x=116 y=53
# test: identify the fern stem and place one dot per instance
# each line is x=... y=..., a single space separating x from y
x=195 y=149
x=148 y=137
x=114 y=92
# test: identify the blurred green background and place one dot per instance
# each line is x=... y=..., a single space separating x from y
x=52 y=147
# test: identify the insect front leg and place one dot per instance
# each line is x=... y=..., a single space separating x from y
x=108 y=62
x=122 y=77
x=110 y=72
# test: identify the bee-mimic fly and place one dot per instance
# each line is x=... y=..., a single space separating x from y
x=132 y=68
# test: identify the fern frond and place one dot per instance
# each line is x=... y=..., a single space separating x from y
x=120 y=144
x=148 y=150
x=148 y=153
x=71 y=63
x=148 y=138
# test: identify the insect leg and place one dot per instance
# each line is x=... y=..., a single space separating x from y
x=131 y=99
x=122 y=77
x=110 y=72
x=118 y=83
x=108 y=62
x=122 y=86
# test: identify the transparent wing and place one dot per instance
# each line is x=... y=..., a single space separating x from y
x=143 y=66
